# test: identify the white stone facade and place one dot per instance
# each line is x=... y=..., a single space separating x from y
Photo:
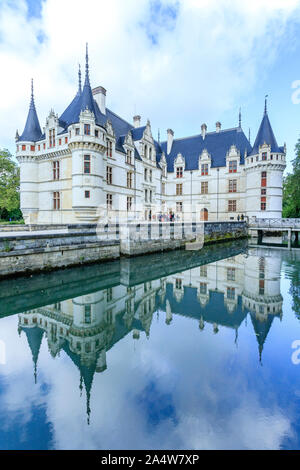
x=88 y=171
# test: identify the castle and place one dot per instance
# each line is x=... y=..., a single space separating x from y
x=220 y=295
x=90 y=165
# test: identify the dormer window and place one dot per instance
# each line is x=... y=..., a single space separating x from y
x=129 y=157
x=87 y=129
x=264 y=156
x=232 y=166
x=204 y=169
x=52 y=138
x=179 y=172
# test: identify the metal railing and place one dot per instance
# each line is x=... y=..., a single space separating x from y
x=275 y=223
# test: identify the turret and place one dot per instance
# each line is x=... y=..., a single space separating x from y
x=28 y=164
x=264 y=168
x=88 y=146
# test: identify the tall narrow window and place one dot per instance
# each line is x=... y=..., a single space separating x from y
x=145 y=174
x=231 y=206
x=204 y=169
x=150 y=176
x=129 y=203
x=263 y=178
x=232 y=166
x=230 y=293
x=87 y=164
x=263 y=203
x=52 y=138
x=109 y=201
x=55 y=167
x=179 y=172
x=230 y=274
x=56 y=200
x=87 y=314
x=163 y=188
x=264 y=156
x=178 y=189
x=109 y=148
x=203 y=288
x=232 y=186
x=129 y=179
x=87 y=129
x=204 y=187
x=109 y=175
x=129 y=157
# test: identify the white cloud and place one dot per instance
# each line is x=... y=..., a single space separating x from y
x=196 y=67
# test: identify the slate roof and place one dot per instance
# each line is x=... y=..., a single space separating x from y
x=216 y=143
x=32 y=131
x=265 y=135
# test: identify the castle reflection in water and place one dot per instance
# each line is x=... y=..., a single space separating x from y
x=220 y=293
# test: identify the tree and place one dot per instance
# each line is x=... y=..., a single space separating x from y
x=9 y=187
x=291 y=188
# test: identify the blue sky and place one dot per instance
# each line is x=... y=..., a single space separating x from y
x=178 y=63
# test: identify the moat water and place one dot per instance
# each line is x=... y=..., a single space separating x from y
x=181 y=350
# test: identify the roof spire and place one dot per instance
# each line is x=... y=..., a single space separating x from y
x=79 y=79
x=32 y=131
x=265 y=111
x=240 y=118
x=87 y=79
x=32 y=96
x=249 y=136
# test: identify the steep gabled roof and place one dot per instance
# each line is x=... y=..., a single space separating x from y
x=32 y=131
x=216 y=143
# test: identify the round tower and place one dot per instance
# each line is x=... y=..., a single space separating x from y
x=25 y=153
x=264 y=169
x=87 y=144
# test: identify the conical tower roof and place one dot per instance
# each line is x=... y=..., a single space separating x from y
x=265 y=134
x=34 y=338
x=82 y=101
x=32 y=131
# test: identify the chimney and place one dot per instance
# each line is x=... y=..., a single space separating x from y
x=99 y=94
x=218 y=126
x=203 y=130
x=170 y=140
x=137 y=121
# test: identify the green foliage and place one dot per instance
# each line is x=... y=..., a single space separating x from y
x=9 y=187
x=291 y=188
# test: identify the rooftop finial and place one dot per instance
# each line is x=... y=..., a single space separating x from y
x=266 y=104
x=87 y=64
x=249 y=136
x=32 y=97
x=79 y=79
x=240 y=118
x=158 y=136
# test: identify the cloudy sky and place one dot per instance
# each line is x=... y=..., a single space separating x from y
x=177 y=62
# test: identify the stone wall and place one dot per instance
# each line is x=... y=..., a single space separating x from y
x=141 y=238
x=28 y=251
x=31 y=252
